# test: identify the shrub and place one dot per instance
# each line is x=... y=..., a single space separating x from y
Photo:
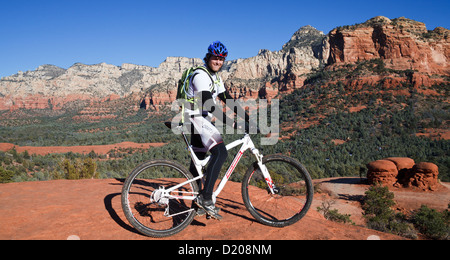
x=380 y=216
x=433 y=224
x=80 y=169
x=5 y=175
x=377 y=204
x=333 y=214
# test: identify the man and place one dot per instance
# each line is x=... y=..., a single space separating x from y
x=205 y=87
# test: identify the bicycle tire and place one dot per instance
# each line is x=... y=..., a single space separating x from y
x=294 y=196
x=145 y=216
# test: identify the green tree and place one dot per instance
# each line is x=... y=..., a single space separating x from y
x=434 y=224
x=5 y=175
x=70 y=171
x=377 y=206
x=380 y=216
x=89 y=169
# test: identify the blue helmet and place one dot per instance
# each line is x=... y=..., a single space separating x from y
x=218 y=49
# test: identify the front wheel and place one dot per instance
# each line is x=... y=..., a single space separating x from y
x=293 y=191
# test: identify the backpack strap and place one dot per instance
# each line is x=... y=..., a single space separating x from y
x=207 y=72
x=189 y=79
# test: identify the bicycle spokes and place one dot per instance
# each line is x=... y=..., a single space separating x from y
x=279 y=193
x=157 y=198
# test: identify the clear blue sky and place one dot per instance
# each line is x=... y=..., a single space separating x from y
x=63 y=32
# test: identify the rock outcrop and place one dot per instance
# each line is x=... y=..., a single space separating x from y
x=402 y=43
x=270 y=72
x=382 y=171
x=424 y=176
x=403 y=172
x=402 y=163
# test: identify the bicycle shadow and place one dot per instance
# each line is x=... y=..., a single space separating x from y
x=108 y=202
x=113 y=214
x=224 y=204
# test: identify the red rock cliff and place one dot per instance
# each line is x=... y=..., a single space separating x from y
x=402 y=44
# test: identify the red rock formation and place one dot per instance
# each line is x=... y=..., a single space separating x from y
x=111 y=97
x=404 y=167
x=382 y=171
x=39 y=101
x=402 y=43
x=424 y=176
x=157 y=99
x=402 y=163
x=403 y=172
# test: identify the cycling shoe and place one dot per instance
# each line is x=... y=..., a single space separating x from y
x=208 y=207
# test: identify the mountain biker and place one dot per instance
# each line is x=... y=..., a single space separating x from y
x=206 y=137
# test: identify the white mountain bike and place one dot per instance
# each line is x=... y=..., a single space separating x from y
x=157 y=196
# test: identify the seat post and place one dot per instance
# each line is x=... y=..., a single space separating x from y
x=179 y=127
x=185 y=138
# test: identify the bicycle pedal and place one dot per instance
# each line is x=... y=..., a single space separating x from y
x=208 y=217
x=201 y=212
x=218 y=217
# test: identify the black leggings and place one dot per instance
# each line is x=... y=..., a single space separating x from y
x=219 y=155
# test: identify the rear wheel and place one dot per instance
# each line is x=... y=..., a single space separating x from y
x=293 y=191
x=147 y=205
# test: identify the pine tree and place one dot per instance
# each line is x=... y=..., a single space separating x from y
x=70 y=171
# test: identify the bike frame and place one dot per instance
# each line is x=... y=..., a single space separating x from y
x=246 y=143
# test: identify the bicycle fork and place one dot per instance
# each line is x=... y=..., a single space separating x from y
x=272 y=188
